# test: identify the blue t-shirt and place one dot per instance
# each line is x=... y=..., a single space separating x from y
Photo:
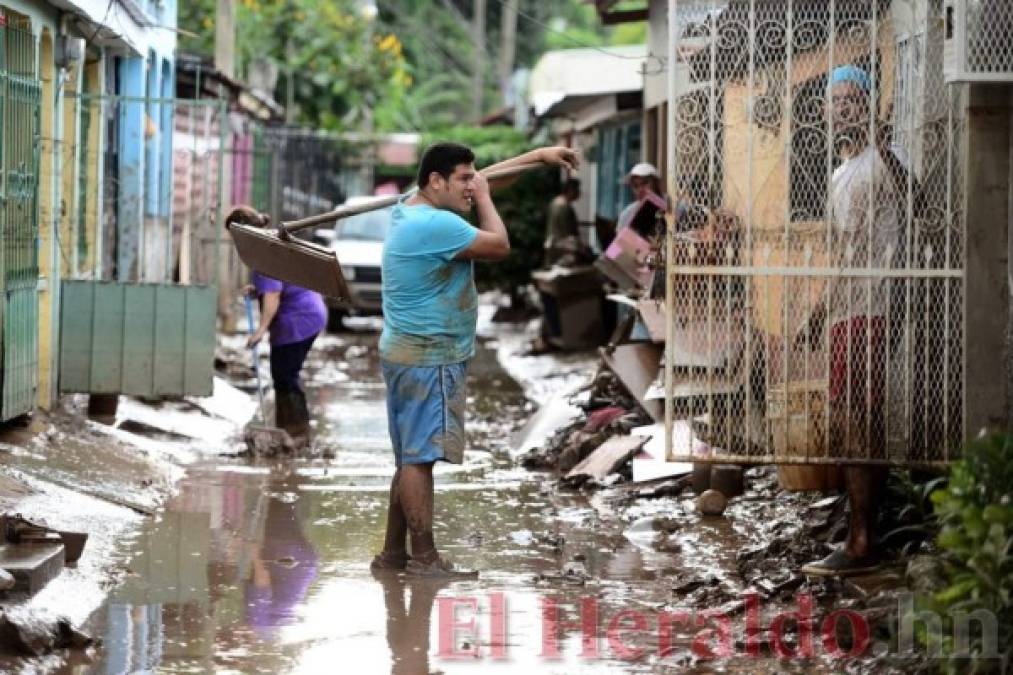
x=430 y=304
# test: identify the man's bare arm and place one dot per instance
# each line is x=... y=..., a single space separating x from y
x=555 y=155
x=492 y=242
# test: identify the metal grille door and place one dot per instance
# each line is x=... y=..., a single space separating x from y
x=21 y=93
x=814 y=261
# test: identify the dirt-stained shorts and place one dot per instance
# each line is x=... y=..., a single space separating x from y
x=425 y=411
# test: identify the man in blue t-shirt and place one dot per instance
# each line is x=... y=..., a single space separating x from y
x=429 y=311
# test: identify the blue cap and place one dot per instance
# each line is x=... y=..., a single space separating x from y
x=852 y=74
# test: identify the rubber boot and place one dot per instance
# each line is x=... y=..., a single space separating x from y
x=291 y=415
x=300 y=431
x=283 y=409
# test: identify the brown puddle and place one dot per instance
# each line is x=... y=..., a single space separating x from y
x=264 y=567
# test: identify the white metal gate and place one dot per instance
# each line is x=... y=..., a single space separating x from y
x=815 y=258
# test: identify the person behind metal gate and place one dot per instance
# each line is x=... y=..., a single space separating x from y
x=294 y=316
x=865 y=225
x=430 y=308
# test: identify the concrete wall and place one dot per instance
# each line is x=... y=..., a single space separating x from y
x=989 y=202
x=656 y=83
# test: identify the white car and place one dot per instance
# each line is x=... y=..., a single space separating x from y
x=358 y=241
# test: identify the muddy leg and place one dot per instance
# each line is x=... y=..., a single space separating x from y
x=394 y=543
x=415 y=489
x=864 y=485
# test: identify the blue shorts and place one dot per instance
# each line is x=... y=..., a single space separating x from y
x=425 y=412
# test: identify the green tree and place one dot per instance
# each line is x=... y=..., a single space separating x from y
x=410 y=65
x=341 y=62
x=439 y=50
x=975 y=510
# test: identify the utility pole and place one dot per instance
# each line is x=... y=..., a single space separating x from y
x=478 y=73
x=289 y=82
x=229 y=267
x=369 y=12
x=225 y=37
x=508 y=45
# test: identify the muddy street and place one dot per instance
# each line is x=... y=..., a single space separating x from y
x=263 y=566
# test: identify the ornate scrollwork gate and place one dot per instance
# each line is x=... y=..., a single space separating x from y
x=815 y=261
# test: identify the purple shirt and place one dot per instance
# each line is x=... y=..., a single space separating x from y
x=301 y=313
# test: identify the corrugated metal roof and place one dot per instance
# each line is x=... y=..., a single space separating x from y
x=567 y=73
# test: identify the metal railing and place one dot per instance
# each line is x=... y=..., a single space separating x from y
x=146 y=197
x=815 y=296
x=20 y=140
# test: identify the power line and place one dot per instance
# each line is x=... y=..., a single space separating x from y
x=101 y=24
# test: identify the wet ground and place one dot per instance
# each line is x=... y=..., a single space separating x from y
x=262 y=567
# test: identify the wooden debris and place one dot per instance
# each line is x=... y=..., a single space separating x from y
x=652 y=312
x=636 y=365
x=608 y=457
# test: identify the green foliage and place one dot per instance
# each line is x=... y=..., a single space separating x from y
x=523 y=205
x=490 y=144
x=440 y=51
x=411 y=66
x=909 y=517
x=341 y=65
x=975 y=510
x=577 y=25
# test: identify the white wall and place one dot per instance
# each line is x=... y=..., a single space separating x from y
x=656 y=83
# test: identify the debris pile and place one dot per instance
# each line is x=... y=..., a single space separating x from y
x=608 y=412
x=33 y=633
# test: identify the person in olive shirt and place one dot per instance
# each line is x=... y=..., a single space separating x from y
x=562 y=235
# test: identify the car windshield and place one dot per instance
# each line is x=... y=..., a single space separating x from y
x=370 y=226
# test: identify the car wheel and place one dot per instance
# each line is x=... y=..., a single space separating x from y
x=336 y=320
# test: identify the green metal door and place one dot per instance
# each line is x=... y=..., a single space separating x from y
x=20 y=108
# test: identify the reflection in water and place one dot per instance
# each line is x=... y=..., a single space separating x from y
x=265 y=569
x=283 y=565
x=408 y=626
x=179 y=598
x=137 y=634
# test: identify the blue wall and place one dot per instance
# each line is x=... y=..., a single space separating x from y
x=145 y=152
x=618 y=150
x=168 y=82
x=131 y=166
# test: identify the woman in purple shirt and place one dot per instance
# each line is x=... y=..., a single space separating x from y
x=294 y=316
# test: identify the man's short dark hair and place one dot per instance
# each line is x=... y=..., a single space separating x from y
x=571 y=185
x=443 y=158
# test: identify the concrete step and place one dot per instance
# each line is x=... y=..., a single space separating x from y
x=32 y=565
